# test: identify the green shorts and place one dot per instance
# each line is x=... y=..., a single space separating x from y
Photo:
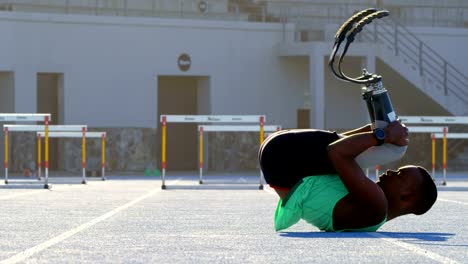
x=313 y=200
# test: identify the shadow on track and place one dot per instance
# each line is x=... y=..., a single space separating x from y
x=407 y=236
x=213 y=187
x=22 y=186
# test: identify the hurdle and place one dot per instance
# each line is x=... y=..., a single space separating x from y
x=83 y=135
x=445 y=120
x=21 y=117
x=164 y=119
x=24 y=117
x=229 y=128
x=38 y=128
x=444 y=137
x=432 y=130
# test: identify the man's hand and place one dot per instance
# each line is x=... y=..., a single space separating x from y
x=396 y=133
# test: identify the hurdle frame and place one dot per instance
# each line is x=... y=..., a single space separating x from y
x=431 y=130
x=441 y=120
x=37 y=128
x=22 y=117
x=445 y=136
x=83 y=135
x=444 y=120
x=230 y=128
x=201 y=119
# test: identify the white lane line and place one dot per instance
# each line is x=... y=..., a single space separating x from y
x=451 y=201
x=415 y=249
x=36 y=249
x=6 y=197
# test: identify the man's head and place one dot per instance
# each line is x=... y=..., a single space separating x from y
x=410 y=189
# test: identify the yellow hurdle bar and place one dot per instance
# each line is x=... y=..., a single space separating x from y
x=200 y=134
x=262 y=137
x=433 y=155
x=6 y=155
x=163 y=153
x=262 y=132
x=103 y=156
x=39 y=158
x=46 y=154
x=83 y=155
x=444 y=157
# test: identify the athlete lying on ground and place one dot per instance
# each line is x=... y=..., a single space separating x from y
x=318 y=180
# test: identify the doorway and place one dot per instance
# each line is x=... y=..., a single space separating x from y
x=50 y=100
x=7 y=99
x=182 y=95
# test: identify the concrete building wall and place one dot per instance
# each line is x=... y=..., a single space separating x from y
x=344 y=107
x=109 y=68
x=110 y=65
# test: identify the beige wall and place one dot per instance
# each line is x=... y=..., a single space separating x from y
x=7 y=92
x=406 y=98
x=344 y=106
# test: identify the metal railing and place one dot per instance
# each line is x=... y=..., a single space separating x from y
x=193 y=9
x=430 y=64
x=437 y=15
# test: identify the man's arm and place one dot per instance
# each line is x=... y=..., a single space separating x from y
x=342 y=154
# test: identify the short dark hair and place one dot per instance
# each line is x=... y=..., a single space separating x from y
x=428 y=193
